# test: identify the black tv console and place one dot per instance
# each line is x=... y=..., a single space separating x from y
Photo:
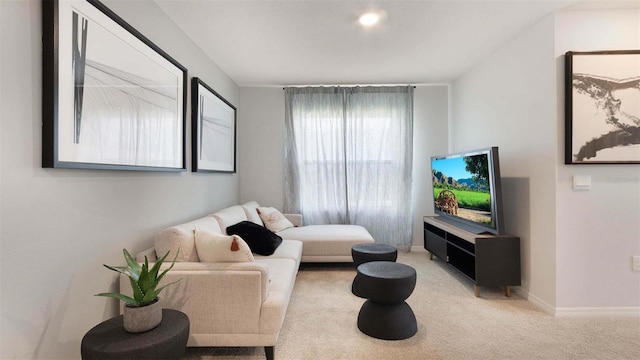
x=488 y=260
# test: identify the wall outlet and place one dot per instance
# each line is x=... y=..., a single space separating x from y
x=635 y=263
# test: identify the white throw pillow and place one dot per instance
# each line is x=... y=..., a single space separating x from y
x=250 y=209
x=221 y=248
x=273 y=219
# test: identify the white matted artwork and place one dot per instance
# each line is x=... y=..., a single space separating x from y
x=112 y=99
x=602 y=107
x=213 y=130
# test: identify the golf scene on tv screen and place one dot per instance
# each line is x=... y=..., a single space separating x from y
x=461 y=188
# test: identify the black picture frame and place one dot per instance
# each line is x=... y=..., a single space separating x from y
x=111 y=98
x=602 y=107
x=213 y=130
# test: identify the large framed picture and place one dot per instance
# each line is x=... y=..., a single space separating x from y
x=213 y=129
x=602 y=107
x=111 y=98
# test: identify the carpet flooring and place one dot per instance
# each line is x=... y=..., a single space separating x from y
x=452 y=323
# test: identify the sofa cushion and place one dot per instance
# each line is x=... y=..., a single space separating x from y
x=179 y=239
x=230 y=216
x=288 y=249
x=260 y=240
x=273 y=219
x=214 y=247
x=251 y=210
x=328 y=240
x=282 y=277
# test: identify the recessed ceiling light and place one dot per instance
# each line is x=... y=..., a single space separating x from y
x=369 y=19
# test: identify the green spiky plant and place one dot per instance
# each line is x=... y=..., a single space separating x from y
x=144 y=282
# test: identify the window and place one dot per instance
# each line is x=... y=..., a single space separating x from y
x=349 y=158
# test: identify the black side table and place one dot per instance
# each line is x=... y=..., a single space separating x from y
x=109 y=340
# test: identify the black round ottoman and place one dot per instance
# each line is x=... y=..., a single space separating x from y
x=386 y=285
x=362 y=253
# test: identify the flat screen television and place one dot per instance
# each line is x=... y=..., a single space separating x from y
x=467 y=191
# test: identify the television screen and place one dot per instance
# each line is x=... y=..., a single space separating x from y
x=467 y=191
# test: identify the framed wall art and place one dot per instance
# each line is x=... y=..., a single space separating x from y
x=111 y=98
x=602 y=107
x=213 y=123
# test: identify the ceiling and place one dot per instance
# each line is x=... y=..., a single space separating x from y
x=312 y=42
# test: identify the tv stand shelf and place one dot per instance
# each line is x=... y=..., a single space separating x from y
x=487 y=259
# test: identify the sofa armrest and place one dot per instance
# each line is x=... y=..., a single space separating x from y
x=150 y=253
x=183 y=270
x=217 y=297
x=296 y=219
x=186 y=269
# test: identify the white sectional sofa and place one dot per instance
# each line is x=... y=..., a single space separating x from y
x=242 y=303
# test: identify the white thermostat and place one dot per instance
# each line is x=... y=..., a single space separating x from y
x=581 y=182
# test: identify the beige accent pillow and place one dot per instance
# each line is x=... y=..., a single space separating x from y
x=179 y=239
x=250 y=208
x=214 y=247
x=273 y=219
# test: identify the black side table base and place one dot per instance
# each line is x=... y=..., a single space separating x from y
x=387 y=322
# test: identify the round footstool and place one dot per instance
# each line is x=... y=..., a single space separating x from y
x=386 y=285
x=362 y=253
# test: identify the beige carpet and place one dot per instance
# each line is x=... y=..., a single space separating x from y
x=452 y=323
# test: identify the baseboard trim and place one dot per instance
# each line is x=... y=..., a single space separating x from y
x=578 y=311
x=565 y=311
x=538 y=302
x=598 y=311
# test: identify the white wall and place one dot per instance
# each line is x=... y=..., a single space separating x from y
x=430 y=138
x=59 y=226
x=598 y=230
x=506 y=101
x=261 y=146
x=576 y=246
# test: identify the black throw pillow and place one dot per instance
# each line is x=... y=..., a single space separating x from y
x=260 y=239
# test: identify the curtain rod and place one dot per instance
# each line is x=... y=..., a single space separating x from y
x=302 y=86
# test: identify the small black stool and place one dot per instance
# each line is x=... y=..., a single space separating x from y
x=362 y=253
x=109 y=339
x=386 y=285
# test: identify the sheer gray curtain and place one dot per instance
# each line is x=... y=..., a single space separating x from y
x=348 y=158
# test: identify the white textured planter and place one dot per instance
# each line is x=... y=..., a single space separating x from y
x=137 y=319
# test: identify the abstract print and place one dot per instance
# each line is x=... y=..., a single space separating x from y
x=606 y=108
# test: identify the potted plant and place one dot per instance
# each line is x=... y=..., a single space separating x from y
x=142 y=311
